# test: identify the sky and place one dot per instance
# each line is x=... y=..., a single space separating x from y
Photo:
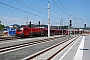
x=21 y=11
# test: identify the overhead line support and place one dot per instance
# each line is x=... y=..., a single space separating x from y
x=48 y=19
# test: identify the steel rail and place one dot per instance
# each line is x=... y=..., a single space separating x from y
x=42 y=52
x=9 y=48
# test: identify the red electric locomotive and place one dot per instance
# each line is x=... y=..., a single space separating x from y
x=28 y=31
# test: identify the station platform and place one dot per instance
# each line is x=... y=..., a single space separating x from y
x=78 y=50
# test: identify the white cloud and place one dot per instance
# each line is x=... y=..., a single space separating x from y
x=5 y=20
x=11 y=20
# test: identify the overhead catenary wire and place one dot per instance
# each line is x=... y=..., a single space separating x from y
x=23 y=4
x=59 y=7
x=64 y=7
x=54 y=13
x=22 y=10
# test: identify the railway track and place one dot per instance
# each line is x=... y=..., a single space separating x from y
x=24 y=45
x=7 y=38
x=49 y=55
x=10 y=38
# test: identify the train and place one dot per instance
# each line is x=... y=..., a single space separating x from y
x=36 y=31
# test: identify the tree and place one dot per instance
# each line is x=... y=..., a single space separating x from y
x=1 y=27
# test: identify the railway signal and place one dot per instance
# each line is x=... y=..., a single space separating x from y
x=39 y=23
x=30 y=24
x=70 y=22
x=84 y=25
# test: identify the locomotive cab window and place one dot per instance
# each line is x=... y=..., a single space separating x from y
x=19 y=29
x=25 y=28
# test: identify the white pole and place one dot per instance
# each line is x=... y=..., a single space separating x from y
x=60 y=24
x=68 y=25
x=74 y=25
x=48 y=19
x=27 y=21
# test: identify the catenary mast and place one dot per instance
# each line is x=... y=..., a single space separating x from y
x=48 y=19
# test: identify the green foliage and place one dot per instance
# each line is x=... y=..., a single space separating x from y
x=1 y=27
